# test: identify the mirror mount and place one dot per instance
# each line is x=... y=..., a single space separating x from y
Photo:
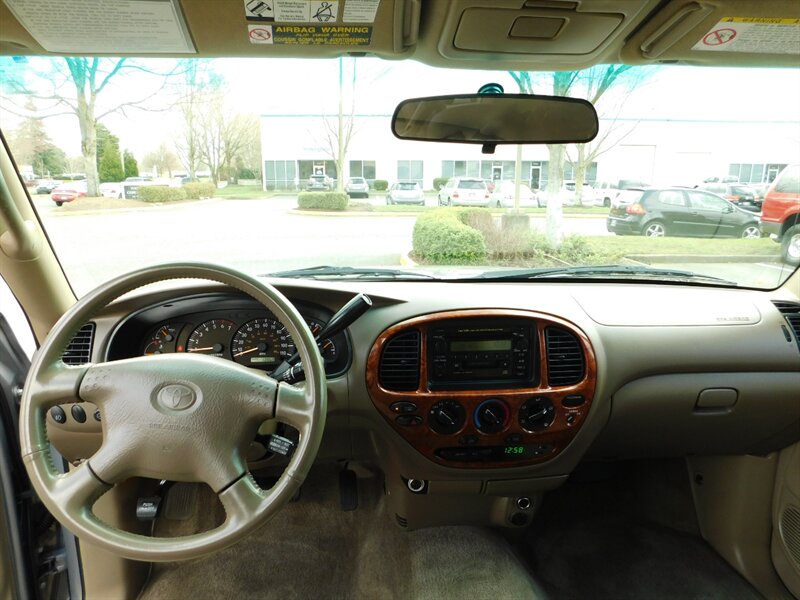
x=488 y=148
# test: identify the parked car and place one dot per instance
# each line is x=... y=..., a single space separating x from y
x=759 y=190
x=464 y=191
x=780 y=213
x=357 y=187
x=138 y=179
x=405 y=192
x=67 y=192
x=740 y=194
x=679 y=212
x=503 y=195
x=111 y=190
x=721 y=179
x=568 y=196
x=319 y=183
x=46 y=186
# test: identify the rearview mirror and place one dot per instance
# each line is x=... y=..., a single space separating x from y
x=492 y=119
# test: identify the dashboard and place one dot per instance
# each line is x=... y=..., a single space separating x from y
x=492 y=393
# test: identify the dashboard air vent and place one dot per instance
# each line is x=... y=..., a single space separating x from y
x=791 y=312
x=79 y=350
x=565 y=362
x=399 y=367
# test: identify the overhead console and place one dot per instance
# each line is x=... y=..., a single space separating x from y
x=483 y=388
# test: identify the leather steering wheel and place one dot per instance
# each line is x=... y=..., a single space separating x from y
x=179 y=417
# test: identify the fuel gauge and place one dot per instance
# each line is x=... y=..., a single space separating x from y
x=327 y=347
x=162 y=340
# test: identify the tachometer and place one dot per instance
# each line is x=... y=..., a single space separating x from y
x=211 y=337
x=326 y=347
x=262 y=342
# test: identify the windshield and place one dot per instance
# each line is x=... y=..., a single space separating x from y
x=215 y=162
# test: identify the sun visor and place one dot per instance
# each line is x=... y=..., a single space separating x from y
x=720 y=32
x=540 y=33
x=210 y=28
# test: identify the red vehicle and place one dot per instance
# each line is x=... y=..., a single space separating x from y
x=68 y=192
x=780 y=213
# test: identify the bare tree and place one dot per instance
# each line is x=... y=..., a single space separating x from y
x=187 y=143
x=73 y=85
x=162 y=159
x=590 y=84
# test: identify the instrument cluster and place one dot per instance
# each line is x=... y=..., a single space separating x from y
x=231 y=328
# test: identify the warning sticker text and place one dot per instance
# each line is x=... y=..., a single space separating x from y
x=750 y=34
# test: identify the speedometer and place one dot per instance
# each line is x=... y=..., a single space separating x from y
x=262 y=342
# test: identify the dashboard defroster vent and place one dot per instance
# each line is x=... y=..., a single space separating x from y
x=565 y=361
x=79 y=350
x=791 y=312
x=399 y=366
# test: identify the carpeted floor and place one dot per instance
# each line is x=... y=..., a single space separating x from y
x=629 y=534
x=313 y=549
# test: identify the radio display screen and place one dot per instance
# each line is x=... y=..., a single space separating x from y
x=480 y=345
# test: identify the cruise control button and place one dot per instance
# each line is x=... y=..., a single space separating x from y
x=58 y=415
x=403 y=407
x=78 y=413
x=408 y=420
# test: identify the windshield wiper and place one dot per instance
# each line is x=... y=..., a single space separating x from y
x=330 y=272
x=602 y=272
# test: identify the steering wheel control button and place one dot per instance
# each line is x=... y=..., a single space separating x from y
x=78 y=413
x=447 y=417
x=58 y=415
x=403 y=408
x=96 y=415
x=175 y=397
x=573 y=401
x=408 y=420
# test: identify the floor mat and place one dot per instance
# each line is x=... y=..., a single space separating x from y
x=312 y=549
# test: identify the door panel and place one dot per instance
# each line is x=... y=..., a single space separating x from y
x=786 y=519
x=708 y=210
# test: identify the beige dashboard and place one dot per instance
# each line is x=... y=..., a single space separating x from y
x=664 y=371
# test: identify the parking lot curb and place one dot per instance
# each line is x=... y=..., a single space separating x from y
x=703 y=258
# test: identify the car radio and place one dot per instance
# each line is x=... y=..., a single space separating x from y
x=494 y=353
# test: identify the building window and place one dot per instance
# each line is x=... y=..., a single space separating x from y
x=363 y=168
x=410 y=170
x=280 y=174
x=755 y=172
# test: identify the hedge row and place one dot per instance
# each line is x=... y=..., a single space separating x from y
x=439 y=182
x=322 y=200
x=380 y=185
x=444 y=237
x=160 y=193
x=197 y=190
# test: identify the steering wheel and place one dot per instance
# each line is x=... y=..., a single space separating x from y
x=179 y=417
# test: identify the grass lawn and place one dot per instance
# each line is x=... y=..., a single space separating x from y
x=81 y=204
x=414 y=208
x=243 y=192
x=638 y=245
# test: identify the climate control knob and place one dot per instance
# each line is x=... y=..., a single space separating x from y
x=537 y=414
x=491 y=416
x=446 y=417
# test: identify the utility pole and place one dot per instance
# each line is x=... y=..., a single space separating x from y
x=340 y=162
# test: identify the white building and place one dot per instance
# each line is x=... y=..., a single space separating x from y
x=658 y=151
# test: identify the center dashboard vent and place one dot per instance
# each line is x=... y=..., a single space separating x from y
x=565 y=361
x=399 y=366
x=79 y=350
x=791 y=312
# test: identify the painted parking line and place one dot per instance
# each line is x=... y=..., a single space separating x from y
x=785 y=268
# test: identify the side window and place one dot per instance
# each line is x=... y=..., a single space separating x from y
x=707 y=201
x=672 y=198
x=789 y=182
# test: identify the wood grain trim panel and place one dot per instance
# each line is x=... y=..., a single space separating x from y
x=558 y=435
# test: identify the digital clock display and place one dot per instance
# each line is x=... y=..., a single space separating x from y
x=514 y=450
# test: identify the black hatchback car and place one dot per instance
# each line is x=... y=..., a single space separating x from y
x=657 y=212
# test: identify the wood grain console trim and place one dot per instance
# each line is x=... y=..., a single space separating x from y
x=567 y=422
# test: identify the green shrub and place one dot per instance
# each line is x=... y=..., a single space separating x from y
x=159 y=193
x=442 y=237
x=200 y=189
x=380 y=185
x=322 y=200
x=438 y=182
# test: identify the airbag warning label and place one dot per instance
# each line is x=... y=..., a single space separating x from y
x=311 y=35
x=754 y=35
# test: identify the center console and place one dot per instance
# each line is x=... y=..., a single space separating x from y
x=483 y=388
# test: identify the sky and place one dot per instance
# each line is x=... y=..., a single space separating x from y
x=291 y=86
